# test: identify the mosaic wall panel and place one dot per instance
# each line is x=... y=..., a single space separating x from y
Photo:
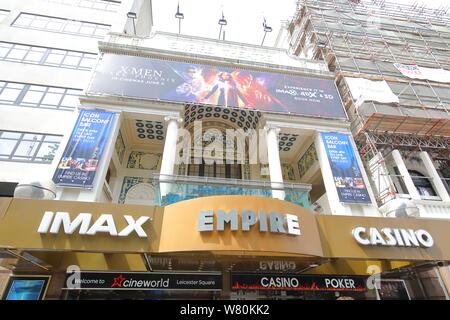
x=287 y=170
x=307 y=160
x=130 y=182
x=144 y=160
x=120 y=147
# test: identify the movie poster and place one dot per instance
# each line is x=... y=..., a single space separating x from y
x=81 y=158
x=26 y=288
x=150 y=78
x=347 y=175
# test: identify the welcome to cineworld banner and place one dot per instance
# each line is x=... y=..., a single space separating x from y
x=150 y=78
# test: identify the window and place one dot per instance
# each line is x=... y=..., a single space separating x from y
x=3 y=13
x=105 y=5
x=231 y=171
x=422 y=183
x=88 y=29
x=23 y=146
x=47 y=56
x=28 y=95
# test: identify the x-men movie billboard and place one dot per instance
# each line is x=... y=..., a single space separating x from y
x=150 y=78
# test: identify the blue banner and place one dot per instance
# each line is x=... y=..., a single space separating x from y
x=344 y=166
x=80 y=160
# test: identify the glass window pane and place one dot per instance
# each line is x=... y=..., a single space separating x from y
x=9 y=95
x=101 y=31
x=34 y=56
x=72 y=27
x=7 y=146
x=85 y=3
x=32 y=137
x=23 y=21
x=52 y=99
x=39 y=23
x=71 y=61
x=13 y=85
x=32 y=98
x=54 y=58
x=26 y=148
x=70 y=101
x=87 y=29
x=87 y=62
x=57 y=90
x=4 y=50
x=52 y=138
x=17 y=54
x=10 y=135
x=101 y=6
x=54 y=25
x=47 y=151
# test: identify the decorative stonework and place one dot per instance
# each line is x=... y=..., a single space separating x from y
x=138 y=193
x=286 y=168
x=307 y=160
x=120 y=147
x=288 y=171
x=153 y=130
x=144 y=160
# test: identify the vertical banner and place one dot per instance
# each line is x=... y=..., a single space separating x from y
x=80 y=160
x=344 y=166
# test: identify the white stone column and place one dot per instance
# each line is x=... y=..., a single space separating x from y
x=169 y=153
x=435 y=178
x=273 y=153
x=406 y=177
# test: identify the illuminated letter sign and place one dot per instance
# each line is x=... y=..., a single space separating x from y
x=51 y=223
x=393 y=237
x=273 y=222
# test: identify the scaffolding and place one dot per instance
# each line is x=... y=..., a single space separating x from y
x=364 y=39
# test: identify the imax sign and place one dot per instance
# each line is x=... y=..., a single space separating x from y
x=52 y=222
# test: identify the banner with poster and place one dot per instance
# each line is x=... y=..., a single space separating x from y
x=81 y=157
x=347 y=175
x=416 y=72
x=151 y=78
x=369 y=90
x=393 y=289
x=26 y=288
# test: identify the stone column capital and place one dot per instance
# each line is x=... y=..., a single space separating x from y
x=170 y=118
x=269 y=127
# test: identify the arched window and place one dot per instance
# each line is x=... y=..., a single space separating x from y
x=422 y=184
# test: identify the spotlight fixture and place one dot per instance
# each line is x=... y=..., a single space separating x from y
x=222 y=22
x=133 y=16
x=179 y=16
x=266 y=29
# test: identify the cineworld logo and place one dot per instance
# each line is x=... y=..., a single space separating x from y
x=121 y=282
x=273 y=221
x=51 y=223
x=393 y=237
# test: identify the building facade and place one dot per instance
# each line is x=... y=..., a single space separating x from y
x=230 y=168
x=386 y=57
